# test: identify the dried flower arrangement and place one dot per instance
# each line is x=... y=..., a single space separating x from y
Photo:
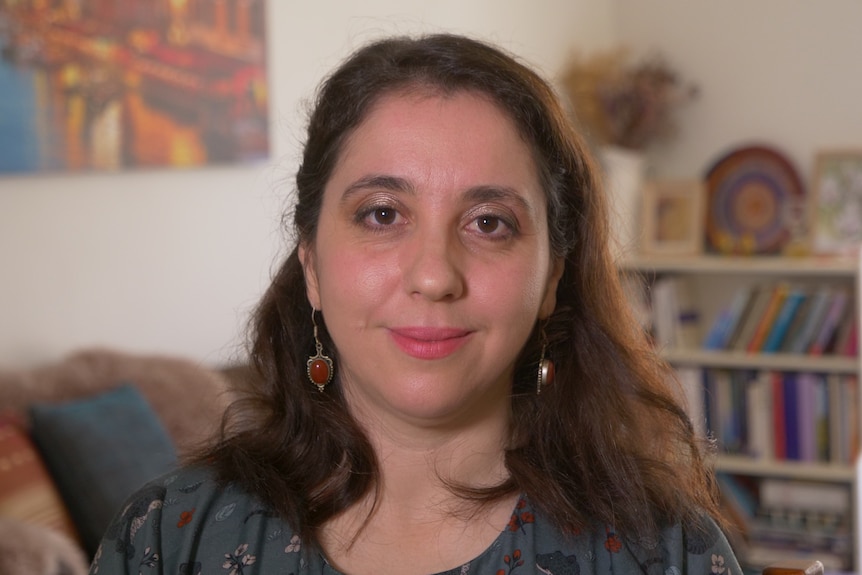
x=622 y=103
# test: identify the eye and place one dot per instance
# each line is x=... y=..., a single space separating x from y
x=492 y=226
x=379 y=216
x=383 y=216
x=488 y=224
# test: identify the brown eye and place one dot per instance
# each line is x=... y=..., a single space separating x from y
x=488 y=224
x=384 y=216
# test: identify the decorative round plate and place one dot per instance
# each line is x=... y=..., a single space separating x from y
x=755 y=200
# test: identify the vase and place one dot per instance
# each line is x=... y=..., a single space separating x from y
x=624 y=173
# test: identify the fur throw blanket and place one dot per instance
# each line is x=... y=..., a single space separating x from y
x=38 y=551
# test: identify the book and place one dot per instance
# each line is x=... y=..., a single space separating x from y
x=844 y=418
x=737 y=435
x=801 y=340
x=805 y=419
x=754 y=312
x=729 y=320
x=802 y=494
x=675 y=314
x=845 y=342
x=790 y=397
x=851 y=347
x=834 y=314
x=717 y=332
x=797 y=322
x=851 y=413
x=837 y=420
x=822 y=413
x=724 y=409
x=792 y=301
x=776 y=300
x=779 y=425
x=687 y=316
x=760 y=442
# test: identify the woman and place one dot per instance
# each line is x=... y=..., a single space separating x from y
x=449 y=378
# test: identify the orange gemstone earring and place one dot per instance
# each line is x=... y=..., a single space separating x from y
x=319 y=367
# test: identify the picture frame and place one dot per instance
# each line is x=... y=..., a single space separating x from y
x=673 y=213
x=837 y=202
x=124 y=85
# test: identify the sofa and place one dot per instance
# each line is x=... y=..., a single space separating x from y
x=80 y=434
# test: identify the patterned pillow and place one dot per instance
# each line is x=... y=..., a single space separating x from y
x=27 y=491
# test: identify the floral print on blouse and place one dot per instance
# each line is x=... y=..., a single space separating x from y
x=186 y=524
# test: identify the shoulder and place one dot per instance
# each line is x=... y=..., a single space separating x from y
x=190 y=519
x=177 y=496
x=692 y=548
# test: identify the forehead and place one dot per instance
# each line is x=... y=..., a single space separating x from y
x=406 y=100
x=463 y=133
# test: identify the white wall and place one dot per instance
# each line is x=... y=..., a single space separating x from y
x=172 y=261
x=781 y=72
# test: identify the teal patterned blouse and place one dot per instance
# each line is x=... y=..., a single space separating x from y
x=187 y=524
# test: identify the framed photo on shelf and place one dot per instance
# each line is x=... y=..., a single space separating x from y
x=673 y=217
x=837 y=198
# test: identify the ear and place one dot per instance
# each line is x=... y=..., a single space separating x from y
x=549 y=303
x=312 y=287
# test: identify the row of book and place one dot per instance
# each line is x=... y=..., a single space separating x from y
x=793 y=416
x=784 y=318
x=777 y=519
x=669 y=312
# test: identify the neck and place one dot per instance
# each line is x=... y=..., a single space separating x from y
x=414 y=512
x=419 y=463
x=420 y=469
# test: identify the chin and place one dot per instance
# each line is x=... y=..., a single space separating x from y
x=437 y=408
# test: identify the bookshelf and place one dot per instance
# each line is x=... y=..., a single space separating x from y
x=786 y=504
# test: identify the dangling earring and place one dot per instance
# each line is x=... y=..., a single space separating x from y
x=319 y=367
x=546 y=368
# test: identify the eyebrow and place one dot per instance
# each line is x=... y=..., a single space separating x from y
x=489 y=193
x=380 y=182
x=483 y=193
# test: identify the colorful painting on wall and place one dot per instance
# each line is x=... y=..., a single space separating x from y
x=126 y=84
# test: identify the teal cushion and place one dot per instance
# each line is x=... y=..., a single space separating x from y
x=99 y=451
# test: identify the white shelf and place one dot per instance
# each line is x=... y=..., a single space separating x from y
x=760 y=265
x=773 y=361
x=761 y=467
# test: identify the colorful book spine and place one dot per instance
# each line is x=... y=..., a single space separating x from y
x=733 y=318
x=754 y=312
x=801 y=340
x=775 y=303
x=834 y=314
x=782 y=322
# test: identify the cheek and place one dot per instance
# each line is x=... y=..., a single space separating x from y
x=349 y=278
x=516 y=292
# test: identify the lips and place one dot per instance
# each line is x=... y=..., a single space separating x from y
x=428 y=342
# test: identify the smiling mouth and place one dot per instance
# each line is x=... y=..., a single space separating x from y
x=429 y=343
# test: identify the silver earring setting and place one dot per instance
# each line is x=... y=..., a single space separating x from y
x=319 y=367
x=546 y=370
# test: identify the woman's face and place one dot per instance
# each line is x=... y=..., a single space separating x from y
x=431 y=262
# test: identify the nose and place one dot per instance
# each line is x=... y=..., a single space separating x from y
x=433 y=267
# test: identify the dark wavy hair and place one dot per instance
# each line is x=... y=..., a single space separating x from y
x=607 y=442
